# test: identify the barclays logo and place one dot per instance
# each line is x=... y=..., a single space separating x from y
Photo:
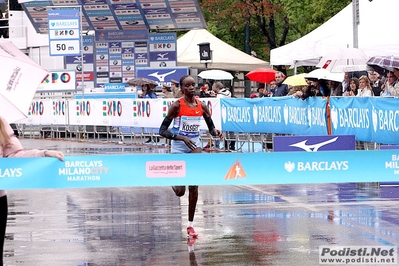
x=316 y=166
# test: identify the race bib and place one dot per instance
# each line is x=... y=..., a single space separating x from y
x=189 y=126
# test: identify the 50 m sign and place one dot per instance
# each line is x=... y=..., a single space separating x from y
x=64 y=32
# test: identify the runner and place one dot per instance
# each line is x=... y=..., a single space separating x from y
x=187 y=112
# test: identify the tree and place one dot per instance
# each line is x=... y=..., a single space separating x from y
x=272 y=23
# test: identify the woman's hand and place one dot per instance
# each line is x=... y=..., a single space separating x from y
x=56 y=154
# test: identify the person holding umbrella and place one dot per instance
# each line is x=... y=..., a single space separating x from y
x=147 y=91
x=389 y=85
x=394 y=90
x=11 y=147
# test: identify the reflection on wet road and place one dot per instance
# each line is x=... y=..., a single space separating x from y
x=237 y=225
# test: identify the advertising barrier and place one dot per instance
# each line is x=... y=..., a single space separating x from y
x=370 y=119
x=182 y=169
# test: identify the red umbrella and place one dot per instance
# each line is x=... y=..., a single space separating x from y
x=263 y=75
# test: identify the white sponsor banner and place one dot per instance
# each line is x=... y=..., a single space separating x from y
x=59 y=112
x=40 y=112
x=133 y=112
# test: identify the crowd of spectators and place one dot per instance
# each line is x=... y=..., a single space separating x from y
x=361 y=84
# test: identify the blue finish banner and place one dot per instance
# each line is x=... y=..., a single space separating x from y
x=184 y=169
x=286 y=115
x=373 y=119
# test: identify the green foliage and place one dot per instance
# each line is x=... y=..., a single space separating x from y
x=272 y=23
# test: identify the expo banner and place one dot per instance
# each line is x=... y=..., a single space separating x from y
x=275 y=115
x=130 y=112
x=40 y=113
x=182 y=169
x=370 y=119
x=63 y=80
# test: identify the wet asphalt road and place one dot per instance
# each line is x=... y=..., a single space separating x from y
x=237 y=225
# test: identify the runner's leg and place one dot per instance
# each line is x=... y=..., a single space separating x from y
x=179 y=190
x=3 y=224
x=192 y=201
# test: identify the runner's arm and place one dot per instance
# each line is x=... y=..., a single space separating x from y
x=164 y=129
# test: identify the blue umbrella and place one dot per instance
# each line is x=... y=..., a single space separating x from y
x=3 y=3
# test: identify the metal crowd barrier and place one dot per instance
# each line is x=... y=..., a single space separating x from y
x=244 y=142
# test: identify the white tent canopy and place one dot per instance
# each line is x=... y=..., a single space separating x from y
x=376 y=35
x=224 y=56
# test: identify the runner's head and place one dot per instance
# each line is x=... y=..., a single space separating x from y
x=187 y=85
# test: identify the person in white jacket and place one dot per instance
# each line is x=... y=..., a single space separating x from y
x=219 y=91
x=365 y=89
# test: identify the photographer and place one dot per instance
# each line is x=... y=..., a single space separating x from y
x=205 y=91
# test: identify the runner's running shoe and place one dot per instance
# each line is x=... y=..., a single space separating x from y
x=191 y=232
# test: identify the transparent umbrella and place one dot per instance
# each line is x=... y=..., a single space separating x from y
x=344 y=60
x=215 y=74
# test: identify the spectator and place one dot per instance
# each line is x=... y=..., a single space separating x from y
x=335 y=88
x=306 y=92
x=4 y=25
x=167 y=92
x=147 y=91
x=262 y=91
x=375 y=82
x=205 y=91
x=365 y=89
x=389 y=84
x=394 y=90
x=353 y=87
x=280 y=89
x=175 y=88
x=345 y=83
x=219 y=91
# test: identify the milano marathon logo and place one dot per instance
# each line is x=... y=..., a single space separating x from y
x=358 y=255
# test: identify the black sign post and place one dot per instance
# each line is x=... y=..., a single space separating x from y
x=205 y=52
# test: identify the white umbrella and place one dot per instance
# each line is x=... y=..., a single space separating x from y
x=215 y=75
x=344 y=60
x=20 y=77
x=322 y=73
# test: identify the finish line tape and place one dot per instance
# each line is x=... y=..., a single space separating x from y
x=199 y=169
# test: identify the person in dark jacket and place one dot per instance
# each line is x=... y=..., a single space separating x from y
x=280 y=89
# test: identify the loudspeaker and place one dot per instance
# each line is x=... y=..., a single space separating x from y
x=205 y=51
